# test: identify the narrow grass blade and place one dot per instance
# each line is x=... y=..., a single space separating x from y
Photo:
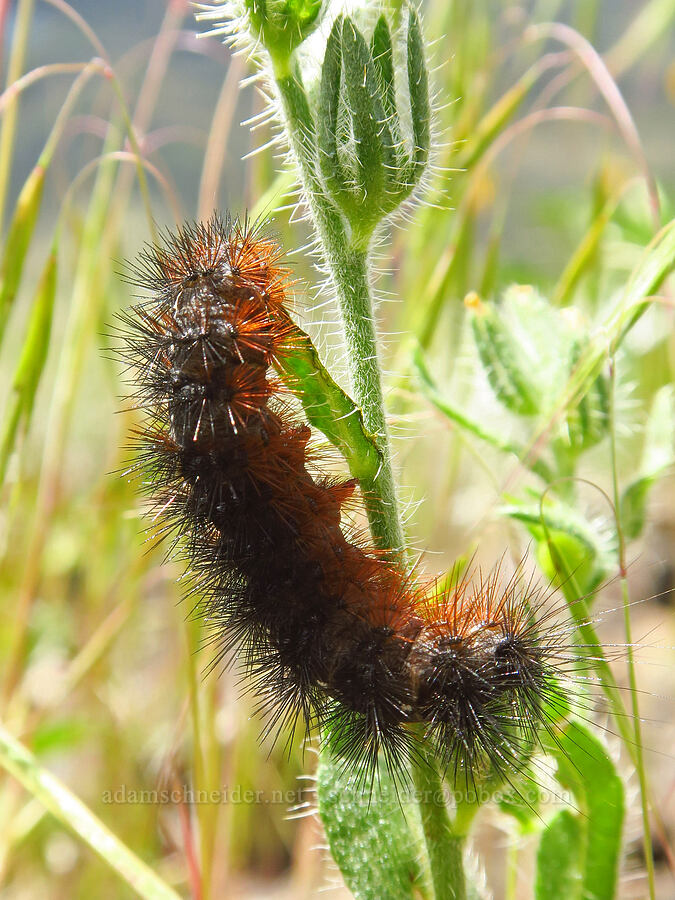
x=66 y=807
x=31 y=361
x=18 y=240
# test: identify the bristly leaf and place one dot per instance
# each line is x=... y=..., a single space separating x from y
x=504 y=359
x=529 y=348
x=334 y=173
x=590 y=551
x=383 y=57
x=587 y=423
x=328 y=408
x=375 y=843
x=418 y=85
x=444 y=406
x=373 y=142
x=366 y=167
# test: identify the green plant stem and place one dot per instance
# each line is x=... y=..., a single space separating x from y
x=632 y=679
x=444 y=841
x=347 y=259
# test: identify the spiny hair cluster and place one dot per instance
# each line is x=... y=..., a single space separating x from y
x=327 y=630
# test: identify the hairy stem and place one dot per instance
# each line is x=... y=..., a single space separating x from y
x=347 y=257
x=444 y=841
x=347 y=261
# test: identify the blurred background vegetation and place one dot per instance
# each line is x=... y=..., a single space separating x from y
x=552 y=187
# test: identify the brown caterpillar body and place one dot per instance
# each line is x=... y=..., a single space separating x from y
x=328 y=630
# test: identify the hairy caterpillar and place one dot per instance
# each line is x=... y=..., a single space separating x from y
x=329 y=630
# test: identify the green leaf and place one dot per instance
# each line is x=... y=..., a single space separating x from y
x=585 y=768
x=505 y=358
x=328 y=408
x=36 y=345
x=522 y=801
x=31 y=362
x=383 y=57
x=373 y=142
x=418 y=86
x=633 y=507
x=59 y=734
x=558 y=874
x=377 y=846
x=587 y=422
x=366 y=167
x=332 y=170
x=657 y=262
x=654 y=267
x=460 y=418
x=588 y=550
x=658 y=455
x=551 y=342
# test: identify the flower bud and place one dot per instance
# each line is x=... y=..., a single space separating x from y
x=368 y=163
x=282 y=25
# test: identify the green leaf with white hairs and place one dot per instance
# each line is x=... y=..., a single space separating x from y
x=506 y=360
x=334 y=173
x=328 y=407
x=383 y=56
x=587 y=423
x=529 y=348
x=374 y=839
x=366 y=167
x=418 y=86
x=589 y=549
x=471 y=426
x=373 y=145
